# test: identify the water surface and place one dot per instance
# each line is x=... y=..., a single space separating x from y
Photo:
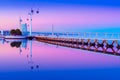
x=33 y=60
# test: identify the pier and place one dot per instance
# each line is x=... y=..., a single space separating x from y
x=101 y=45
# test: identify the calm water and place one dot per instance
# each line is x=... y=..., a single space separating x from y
x=32 y=60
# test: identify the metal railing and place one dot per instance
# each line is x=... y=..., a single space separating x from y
x=83 y=35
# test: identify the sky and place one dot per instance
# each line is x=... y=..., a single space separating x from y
x=65 y=15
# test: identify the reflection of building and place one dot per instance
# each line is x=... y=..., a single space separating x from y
x=32 y=65
x=2 y=41
x=24 y=44
x=24 y=29
x=17 y=43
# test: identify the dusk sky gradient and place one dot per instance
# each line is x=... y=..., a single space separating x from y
x=65 y=15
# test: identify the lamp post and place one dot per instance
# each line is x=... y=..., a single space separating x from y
x=30 y=19
x=20 y=21
x=52 y=30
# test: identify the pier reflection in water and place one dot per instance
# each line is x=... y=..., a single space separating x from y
x=102 y=46
x=43 y=59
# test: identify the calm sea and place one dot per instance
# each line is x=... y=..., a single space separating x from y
x=33 y=60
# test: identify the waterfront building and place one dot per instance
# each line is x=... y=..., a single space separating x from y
x=4 y=32
x=24 y=29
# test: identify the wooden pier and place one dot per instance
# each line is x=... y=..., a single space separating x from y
x=97 y=45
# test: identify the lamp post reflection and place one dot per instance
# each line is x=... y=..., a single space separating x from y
x=23 y=44
x=30 y=56
x=30 y=61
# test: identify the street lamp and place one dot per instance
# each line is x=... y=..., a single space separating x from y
x=30 y=19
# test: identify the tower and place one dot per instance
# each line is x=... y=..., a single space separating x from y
x=24 y=29
x=52 y=30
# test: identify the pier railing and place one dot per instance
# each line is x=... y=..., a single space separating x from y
x=109 y=43
x=84 y=35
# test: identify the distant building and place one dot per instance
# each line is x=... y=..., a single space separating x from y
x=24 y=29
x=4 y=32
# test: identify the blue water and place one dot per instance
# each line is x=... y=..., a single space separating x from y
x=99 y=74
x=54 y=62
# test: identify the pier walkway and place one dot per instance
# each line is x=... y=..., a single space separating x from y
x=102 y=45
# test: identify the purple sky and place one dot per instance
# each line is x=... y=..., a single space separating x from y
x=65 y=16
